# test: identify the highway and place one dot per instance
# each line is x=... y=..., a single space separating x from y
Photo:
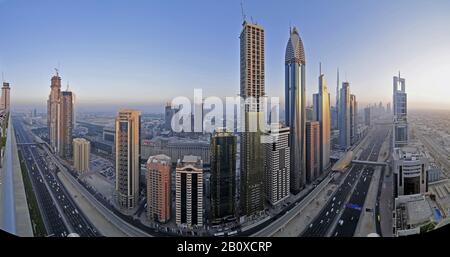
x=61 y=215
x=349 y=219
x=336 y=206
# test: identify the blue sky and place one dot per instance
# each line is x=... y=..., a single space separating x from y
x=143 y=53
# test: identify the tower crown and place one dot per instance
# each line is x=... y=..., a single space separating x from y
x=295 y=52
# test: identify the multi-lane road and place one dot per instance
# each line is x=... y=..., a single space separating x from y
x=337 y=206
x=61 y=215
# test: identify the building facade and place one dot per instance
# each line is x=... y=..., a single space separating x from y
x=252 y=89
x=344 y=116
x=367 y=116
x=189 y=192
x=81 y=153
x=312 y=151
x=223 y=176
x=322 y=115
x=159 y=188
x=66 y=127
x=127 y=158
x=295 y=100
x=5 y=98
x=410 y=168
x=277 y=165
x=353 y=119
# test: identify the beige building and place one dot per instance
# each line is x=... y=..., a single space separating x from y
x=158 y=188
x=127 y=158
x=81 y=151
x=189 y=192
x=5 y=99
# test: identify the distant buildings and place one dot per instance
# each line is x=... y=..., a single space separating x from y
x=344 y=116
x=159 y=188
x=127 y=158
x=367 y=116
x=81 y=152
x=176 y=148
x=277 y=165
x=189 y=192
x=312 y=151
x=5 y=98
x=60 y=118
x=322 y=115
x=252 y=89
x=410 y=167
x=295 y=100
x=400 y=132
x=168 y=115
x=223 y=175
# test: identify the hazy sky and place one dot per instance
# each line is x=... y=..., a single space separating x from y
x=138 y=53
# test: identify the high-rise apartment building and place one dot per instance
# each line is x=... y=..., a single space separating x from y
x=252 y=89
x=158 y=188
x=66 y=124
x=5 y=98
x=277 y=165
x=400 y=109
x=127 y=141
x=322 y=115
x=189 y=192
x=81 y=151
x=313 y=151
x=223 y=175
x=295 y=100
x=344 y=116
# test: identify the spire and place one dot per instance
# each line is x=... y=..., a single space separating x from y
x=320 y=68
x=67 y=86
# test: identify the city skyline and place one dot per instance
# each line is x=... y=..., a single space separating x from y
x=127 y=65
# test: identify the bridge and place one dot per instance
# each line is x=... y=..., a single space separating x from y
x=382 y=164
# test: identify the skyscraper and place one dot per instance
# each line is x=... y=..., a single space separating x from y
x=158 y=188
x=353 y=119
x=367 y=116
x=400 y=109
x=5 y=98
x=127 y=141
x=223 y=175
x=60 y=118
x=295 y=100
x=312 y=151
x=189 y=192
x=81 y=151
x=322 y=115
x=276 y=165
x=54 y=112
x=252 y=90
x=344 y=116
x=66 y=124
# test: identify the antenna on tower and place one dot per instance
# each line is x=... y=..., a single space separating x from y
x=67 y=86
x=320 y=68
x=3 y=76
x=242 y=11
x=57 y=72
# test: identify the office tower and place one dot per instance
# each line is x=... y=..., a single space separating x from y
x=367 y=118
x=252 y=90
x=66 y=124
x=410 y=168
x=309 y=113
x=276 y=165
x=5 y=98
x=295 y=100
x=223 y=175
x=400 y=105
x=337 y=100
x=388 y=108
x=353 y=119
x=322 y=115
x=127 y=140
x=158 y=188
x=53 y=111
x=344 y=116
x=312 y=151
x=189 y=192
x=81 y=151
